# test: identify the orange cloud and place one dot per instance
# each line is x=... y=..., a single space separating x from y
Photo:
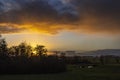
x=83 y=16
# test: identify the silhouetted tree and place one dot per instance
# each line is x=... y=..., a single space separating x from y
x=24 y=49
x=3 y=47
x=14 y=51
x=16 y=60
x=41 y=50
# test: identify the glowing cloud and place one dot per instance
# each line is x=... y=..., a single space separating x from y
x=52 y=16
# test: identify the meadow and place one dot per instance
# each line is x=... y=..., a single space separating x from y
x=102 y=72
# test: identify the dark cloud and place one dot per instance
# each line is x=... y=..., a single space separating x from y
x=1 y=7
x=101 y=15
x=52 y=16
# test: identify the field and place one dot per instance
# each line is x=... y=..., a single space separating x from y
x=105 y=72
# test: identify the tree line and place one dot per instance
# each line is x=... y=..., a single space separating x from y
x=23 y=49
x=24 y=59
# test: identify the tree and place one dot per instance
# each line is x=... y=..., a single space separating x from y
x=40 y=50
x=14 y=51
x=3 y=47
x=24 y=49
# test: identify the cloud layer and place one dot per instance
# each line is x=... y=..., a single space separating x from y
x=52 y=16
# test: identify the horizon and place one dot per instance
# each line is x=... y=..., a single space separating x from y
x=15 y=39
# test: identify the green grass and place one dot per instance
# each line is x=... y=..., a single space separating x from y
x=106 y=72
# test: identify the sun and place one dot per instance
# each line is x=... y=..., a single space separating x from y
x=34 y=53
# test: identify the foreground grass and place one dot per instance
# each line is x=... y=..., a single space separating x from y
x=106 y=72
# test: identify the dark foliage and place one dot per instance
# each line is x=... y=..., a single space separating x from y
x=20 y=60
x=32 y=65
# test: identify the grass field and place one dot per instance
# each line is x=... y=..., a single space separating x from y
x=106 y=72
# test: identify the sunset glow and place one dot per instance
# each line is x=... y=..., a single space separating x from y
x=59 y=39
x=69 y=25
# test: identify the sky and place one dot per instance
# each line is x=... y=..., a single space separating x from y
x=62 y=24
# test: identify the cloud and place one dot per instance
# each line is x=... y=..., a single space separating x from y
x=10 y=28
x=53 y=16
